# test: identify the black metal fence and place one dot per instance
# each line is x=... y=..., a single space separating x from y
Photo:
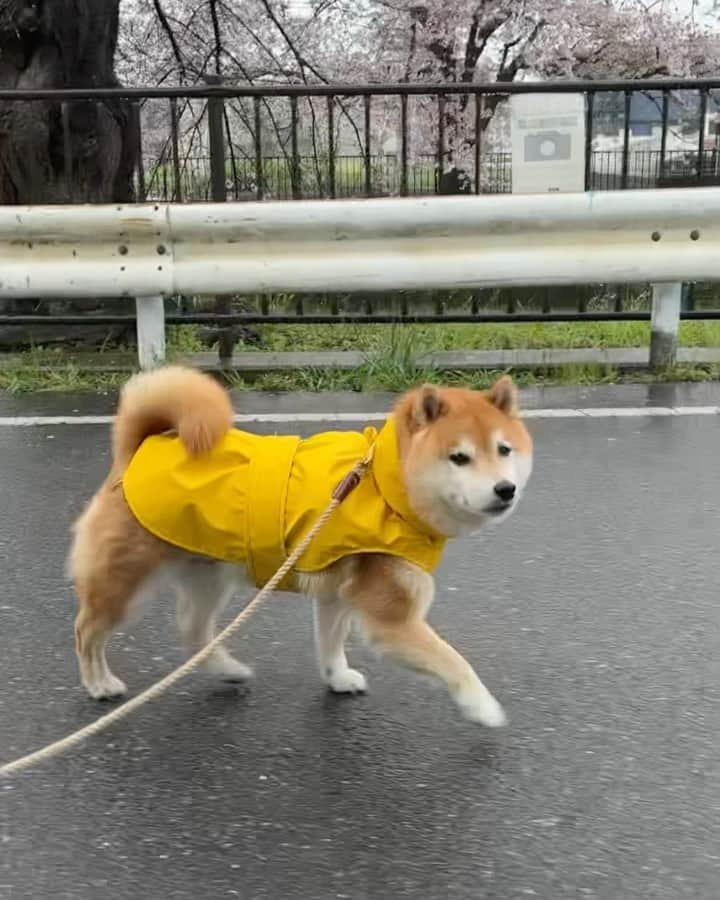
x=241 y=313
x=219 y=142
x=644 y=170
x=328 y=144
x=195 y=184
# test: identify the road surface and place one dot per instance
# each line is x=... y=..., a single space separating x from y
x=593 y=615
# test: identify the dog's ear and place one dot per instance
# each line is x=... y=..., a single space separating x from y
x=504 y=395
x=427 y=406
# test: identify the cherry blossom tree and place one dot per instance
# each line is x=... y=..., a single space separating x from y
x=184 y=41
x=465 y=41
x=455 y=41
x=496 y=40
x=73 y=42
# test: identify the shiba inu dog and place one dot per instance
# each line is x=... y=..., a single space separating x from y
x=192 y=499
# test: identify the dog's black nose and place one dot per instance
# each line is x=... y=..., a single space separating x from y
x=505 y=490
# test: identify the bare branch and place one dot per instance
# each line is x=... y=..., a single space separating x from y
x=165 y=25
x=218 y=38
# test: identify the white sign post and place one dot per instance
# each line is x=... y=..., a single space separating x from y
x=548 y=143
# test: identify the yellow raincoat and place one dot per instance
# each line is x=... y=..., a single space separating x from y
x=253 y=498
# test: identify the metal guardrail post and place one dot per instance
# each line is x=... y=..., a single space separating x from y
x=150 y=313
x=665 y=324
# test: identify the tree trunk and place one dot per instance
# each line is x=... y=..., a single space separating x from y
x=50 y=153
x=62 y=44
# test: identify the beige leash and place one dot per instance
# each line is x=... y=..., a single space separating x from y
x=346 y=486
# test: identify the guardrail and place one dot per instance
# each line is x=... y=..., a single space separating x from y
x=149 y=252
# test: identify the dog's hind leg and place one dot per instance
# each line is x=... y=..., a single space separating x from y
x=92 y=633
x=104 y=604
x=203 y=589
x=111 y=559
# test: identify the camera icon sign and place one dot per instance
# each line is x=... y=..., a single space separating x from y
x=547 y=146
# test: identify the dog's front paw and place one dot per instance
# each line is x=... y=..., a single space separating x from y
x=226 y=667
x=346 y=681
x=107 y=688
x=480 y=706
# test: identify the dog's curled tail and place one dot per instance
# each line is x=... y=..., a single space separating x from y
x=173 y=398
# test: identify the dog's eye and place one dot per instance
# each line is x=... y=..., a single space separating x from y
x=460 y=459
x=504 y=449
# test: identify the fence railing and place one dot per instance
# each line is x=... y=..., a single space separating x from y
x=607 y=172
x=152 y=252
x=219 y=142
x=348 y=177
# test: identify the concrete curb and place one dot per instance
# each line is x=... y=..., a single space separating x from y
x=621 y=358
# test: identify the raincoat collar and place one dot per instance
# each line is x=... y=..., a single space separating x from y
x=389 y=479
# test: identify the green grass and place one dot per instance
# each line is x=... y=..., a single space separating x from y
x=363 y=381
x=54 y=370
x=499 y=336
x=389 y=353
x=375 y=375
x=183 y=339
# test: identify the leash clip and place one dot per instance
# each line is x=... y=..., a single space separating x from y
x=347 y=486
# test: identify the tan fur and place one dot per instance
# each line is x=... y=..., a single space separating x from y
x=173 y=398
x=113 y=559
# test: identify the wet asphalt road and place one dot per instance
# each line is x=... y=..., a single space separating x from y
x=594 y=615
